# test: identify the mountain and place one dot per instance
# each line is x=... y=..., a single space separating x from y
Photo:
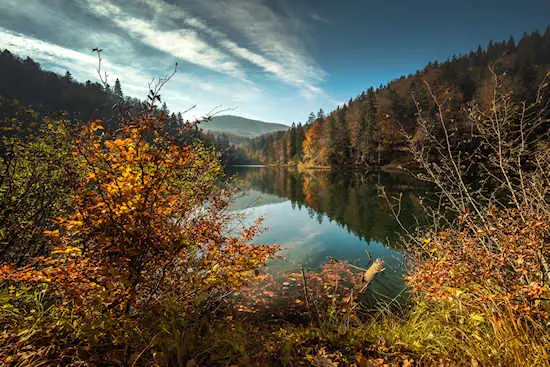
x=240 y=126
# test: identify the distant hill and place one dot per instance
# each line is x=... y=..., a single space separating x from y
x=240 y=126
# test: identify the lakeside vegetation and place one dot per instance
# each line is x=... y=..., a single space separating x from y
x=115 y=247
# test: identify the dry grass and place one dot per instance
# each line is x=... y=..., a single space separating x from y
x=452 y=332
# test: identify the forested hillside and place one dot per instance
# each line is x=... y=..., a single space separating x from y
x=30 y=93
x=376 y=127
x=47 y=92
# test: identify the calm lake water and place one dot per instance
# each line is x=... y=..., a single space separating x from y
x=317 y=215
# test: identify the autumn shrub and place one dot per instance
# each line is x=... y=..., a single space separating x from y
x=475 y=304
x=37 y=168
x=480 y=272
x=145 y=240
x=503 y=264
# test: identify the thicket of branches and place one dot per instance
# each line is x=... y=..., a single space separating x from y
x=485 y=259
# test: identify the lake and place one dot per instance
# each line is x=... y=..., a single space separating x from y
x=318 y=215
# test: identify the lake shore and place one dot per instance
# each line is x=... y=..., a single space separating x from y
x=389 y=168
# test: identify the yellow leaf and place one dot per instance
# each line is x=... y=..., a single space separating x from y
x=476 y=317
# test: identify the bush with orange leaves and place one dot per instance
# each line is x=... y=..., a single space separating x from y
x=146 y=237
x=502 y=264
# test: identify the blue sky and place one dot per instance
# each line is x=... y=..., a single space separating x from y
x=274 y=60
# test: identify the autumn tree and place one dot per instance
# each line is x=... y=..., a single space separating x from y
x=312 y=147
x=146 y=234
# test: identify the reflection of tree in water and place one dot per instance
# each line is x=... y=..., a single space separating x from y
x=350 y=199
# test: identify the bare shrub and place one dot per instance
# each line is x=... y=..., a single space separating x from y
x=493 y=174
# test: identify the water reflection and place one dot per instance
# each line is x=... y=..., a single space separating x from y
x=317 y=215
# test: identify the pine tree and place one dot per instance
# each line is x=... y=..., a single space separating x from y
x=331 y=140
x=321 y=114
x=511 y=44
x=118 y=90
x=68 y=76
x=311 y=118
x=370 y=140
x=292 y=153
x=300 y=135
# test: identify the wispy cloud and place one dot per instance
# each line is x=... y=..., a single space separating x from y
x=319 y=18
x=182 y=43
x=178 y=32
x=279 y=38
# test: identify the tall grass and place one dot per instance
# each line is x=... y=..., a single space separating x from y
x=463 y=334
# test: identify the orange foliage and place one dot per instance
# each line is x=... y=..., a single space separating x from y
x=312 y=146
x=503 y=264
x=147 y=225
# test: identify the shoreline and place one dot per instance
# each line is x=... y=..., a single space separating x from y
x=391 y=167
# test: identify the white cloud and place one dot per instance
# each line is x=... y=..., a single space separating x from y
x=320 y=18
x=285 y=63
x=278 y=39
x=182 y=43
